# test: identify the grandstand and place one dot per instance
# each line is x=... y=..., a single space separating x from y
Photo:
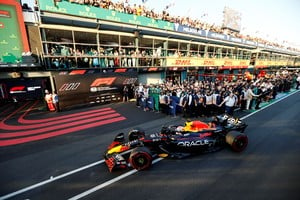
x=103 y=38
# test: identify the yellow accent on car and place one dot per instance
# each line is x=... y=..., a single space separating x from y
x=163 y=155
x=115 y=149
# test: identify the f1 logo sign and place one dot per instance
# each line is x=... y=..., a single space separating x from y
x=103 y=81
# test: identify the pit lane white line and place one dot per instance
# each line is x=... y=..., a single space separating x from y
x=94 y=189
x=278 y=100
x=51 y=179
x=98 y=187
x=102 y=161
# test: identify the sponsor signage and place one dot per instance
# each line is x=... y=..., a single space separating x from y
x=190 y=30
x=85 y=88
x=68 y=8
x=13 y=37
x=74 y=72
x=270 y=63
x=65 y=7
x=198 y=62
x=23 y=89
x=219 y=36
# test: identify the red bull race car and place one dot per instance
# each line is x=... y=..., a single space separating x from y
x=175 y=141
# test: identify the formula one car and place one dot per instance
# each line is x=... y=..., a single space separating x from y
x=176 y=141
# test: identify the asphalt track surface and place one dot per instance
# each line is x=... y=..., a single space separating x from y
x=70 y=165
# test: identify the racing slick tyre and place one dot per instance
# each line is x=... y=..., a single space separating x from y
x=238 y=141
x=136 y=134
x=140 y=158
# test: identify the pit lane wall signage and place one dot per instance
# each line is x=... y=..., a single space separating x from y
x=13 y=37
x=272 y=63
x=201 y=62
x=22 y=89
x=68 y=8
x=87 y=86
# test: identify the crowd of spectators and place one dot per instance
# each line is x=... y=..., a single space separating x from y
x=106 y=57
x=210 y=97
x=141 y=10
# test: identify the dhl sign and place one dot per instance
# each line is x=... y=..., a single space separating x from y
x=187 y=62
x=297 y=64
x=271 y=63
x=181 y=62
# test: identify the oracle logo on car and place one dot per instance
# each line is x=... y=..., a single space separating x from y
x=103 y=81
x=69 y=86
x=193 y=143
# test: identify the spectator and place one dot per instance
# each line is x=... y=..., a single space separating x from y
x=125 y=93
x=298 y=82
x=124 y=6
x=243 y=99
x=249 y=96
x=55 y=101
x=49 y=101
x=230 y=102
x=196 y=93
x=174 y=100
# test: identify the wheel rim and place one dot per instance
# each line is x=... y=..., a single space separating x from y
x=141 y=161
x=240 y=143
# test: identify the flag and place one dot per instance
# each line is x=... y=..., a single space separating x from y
x=205 y=14
x=169 y=5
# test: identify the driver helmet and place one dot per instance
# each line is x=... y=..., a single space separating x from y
x=179 y=129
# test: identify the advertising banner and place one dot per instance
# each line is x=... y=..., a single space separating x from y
x=213 y=35
x=217 y=36
x=201 y=62
x=189 y=30
x=13 y=37
x=297 y=64
x=78 y=87
x=68 y=8
x=22 y=89
x=270 y=63
x=182 y=62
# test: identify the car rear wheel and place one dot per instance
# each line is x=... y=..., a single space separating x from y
x=238 y=141
x=140 y=158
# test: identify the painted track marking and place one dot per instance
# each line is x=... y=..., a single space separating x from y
x=102 y=161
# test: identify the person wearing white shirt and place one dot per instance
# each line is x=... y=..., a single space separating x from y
x=229 y=101
x=249 y=97
x=209 y=102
